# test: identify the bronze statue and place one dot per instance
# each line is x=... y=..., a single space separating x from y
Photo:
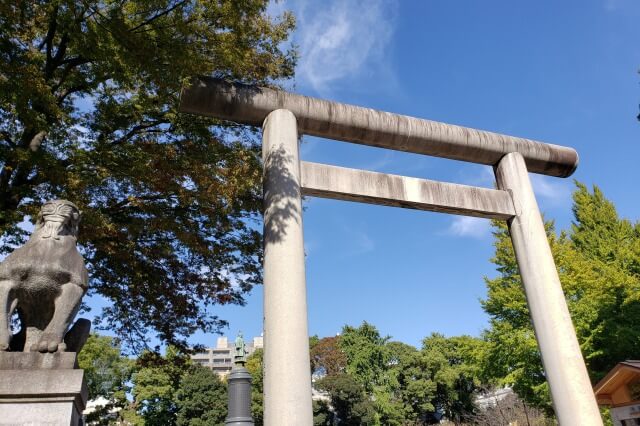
x=44 y=280
x=241 y=350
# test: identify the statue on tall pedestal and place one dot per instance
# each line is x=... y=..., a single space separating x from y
x=239 y=388
x=44 y=280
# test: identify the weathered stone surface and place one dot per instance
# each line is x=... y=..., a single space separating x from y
x=573 y=398
x=340 y=183
x=333 y=120
x=28 y=413
x=46 y=279
x=37 y=361
x=42 y=397
x=37 y=383
x=287 y=379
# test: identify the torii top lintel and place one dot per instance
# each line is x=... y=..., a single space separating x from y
x=332 y=120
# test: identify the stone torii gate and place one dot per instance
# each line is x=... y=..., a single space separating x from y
x=284 y=117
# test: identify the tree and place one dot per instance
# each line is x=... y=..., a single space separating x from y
x=367 y=359
x=598 y=262
x=327 y=357
x=255 y=367
x=602 y=280
x=106 y=372
x=513 y=357
x=508 y=410
x=156 y=383
x=322 y=414
x=88 y=112
x=201 y=399
x=350 y=403
x=440 y=380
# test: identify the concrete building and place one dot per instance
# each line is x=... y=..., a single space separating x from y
x=220 y=358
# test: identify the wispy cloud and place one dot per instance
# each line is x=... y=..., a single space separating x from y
x=338 y=40
x=620 y=5
x=363 y=243
x=379 y=163
x=472 y=227
x=551 y=190
x=358 y=241
x=611 y=5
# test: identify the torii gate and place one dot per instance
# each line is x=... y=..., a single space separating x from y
x=284 y=117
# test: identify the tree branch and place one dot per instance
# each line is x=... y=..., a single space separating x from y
x=137 y=129
x=62 y=49
x=53 y=23
x=70 y=65
x=154 y=17
x=70 y=90
x=36 y=141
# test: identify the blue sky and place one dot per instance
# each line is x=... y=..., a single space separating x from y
x=561 y=72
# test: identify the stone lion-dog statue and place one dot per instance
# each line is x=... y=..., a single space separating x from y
x=44 y=280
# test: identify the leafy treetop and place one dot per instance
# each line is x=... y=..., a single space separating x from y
x=88 y=98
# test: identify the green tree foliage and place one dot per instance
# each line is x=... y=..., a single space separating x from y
x=106 y=372
x=201 y=399
x=88 y=98
x=598 y=262
x=403 y=384
x=367 y=359
x=368 y=363
x=254 y=366
x=512 y=356
x=439 y=380
x=322 y=414
x=350 y=403
x=105 y=369
x=156 y=384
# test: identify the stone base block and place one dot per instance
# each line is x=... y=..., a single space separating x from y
x=42 y=397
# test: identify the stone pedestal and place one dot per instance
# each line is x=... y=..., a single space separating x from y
x=41 y=389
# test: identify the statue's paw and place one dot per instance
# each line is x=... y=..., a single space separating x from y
x=49 y=343
x=4 y=346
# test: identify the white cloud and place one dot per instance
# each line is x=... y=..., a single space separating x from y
x=551 y=189
x=340 y=39
x=467 y=226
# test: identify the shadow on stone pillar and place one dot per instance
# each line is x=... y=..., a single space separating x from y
x=41 y=388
